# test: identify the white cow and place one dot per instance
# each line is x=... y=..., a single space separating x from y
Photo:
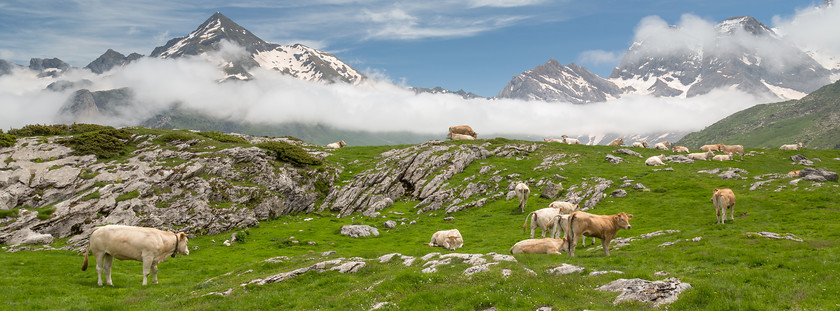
x=448 y=239
x=149 y=245
x=456 y=136
x=540 y=246
x=723 y=157
x=337 y=145
x=701 y=155
x=655 y=160
x=570 y=141
x=680 y=149
x=522 y=193
x=643 y=144
x=543 y=218
x=662 y=146
x=552 y=140
x=796 y=146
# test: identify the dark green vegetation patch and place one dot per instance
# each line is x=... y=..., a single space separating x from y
x=106 y=143
x=286 y=152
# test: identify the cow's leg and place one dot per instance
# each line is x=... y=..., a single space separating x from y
x=154 y=274
x=100 y=264
x=732 y=212
x=573 y=244
x=717 y=213
x=108 y=262
x=147 y=267
x=533 y=229
x=605 y=243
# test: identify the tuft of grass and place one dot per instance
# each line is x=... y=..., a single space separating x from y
x=91 y=196
x=128 y=195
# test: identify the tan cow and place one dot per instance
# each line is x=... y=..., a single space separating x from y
x=522 y=193
x=449 y=239
x=456 y=136
x=149 y=245
x=540 y=246
x=643 y=144
x=680 y=149
x=662 y=146
x=705 y=156
x=337 y=145
x=616 y=142
x=715 y=147
x=723 y=199
x=603 y=227
x=553 y=140
x=733 y=149
x=463 y=130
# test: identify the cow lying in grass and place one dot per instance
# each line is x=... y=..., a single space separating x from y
x=540 y=246
x=448 y=239
x=149 y=245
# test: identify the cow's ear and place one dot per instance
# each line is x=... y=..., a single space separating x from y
x=629 y=216
x=182 y=235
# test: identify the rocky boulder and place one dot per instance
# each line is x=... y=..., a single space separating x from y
x=811 y=174
x=356 y=231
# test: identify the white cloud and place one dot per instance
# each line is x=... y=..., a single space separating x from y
x=376 y=106
x=504 y=3
x=598 y=57
x=814 y=29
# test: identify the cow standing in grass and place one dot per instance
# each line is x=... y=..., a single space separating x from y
x=522 y=192
x=603 y=227
x=724 y=199
x=149 y=245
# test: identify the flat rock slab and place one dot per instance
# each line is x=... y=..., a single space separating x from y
x=658 y=292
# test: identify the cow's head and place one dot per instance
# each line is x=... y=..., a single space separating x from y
x=183 y=249
x=624 y=220
x=455 y=240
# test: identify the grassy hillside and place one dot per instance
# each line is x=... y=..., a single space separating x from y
x=727 y=268
x=813 y=120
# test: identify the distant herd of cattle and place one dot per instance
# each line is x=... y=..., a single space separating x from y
x=152 y=246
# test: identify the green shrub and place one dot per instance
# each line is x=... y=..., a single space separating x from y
x=128 y=195
x=167 y=138
x=79 y=128
x=45 y=213
x=7 y=140
x=285 y=152
x=107 y=143
x=9 y=213
x=40 y=130
x=91 y=196
x=225 y=138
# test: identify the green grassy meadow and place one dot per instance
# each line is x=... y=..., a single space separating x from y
x=727 y=269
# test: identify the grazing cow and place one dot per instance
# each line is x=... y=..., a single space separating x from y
x=796 y=146
x=733 y=149
x=616 y=142
x=553 y=140
x=456 y=136
x=680 y=149
x=463 y=130
x=724 y=199
x=715 y=147
x=540 y=246
x=149 y=245
x=561 y=220
x=643 y=144
x=603 y=227
x=655 y=160
x=793 y=173
x=662 y=146
x=336 y=145
x=564 y=208
x=449 y=239
x=522 y=193
x=723 y=157
x=543 y=218
x=570 y=141
x=701 y=155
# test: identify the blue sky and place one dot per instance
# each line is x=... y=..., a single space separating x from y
x=475 y=45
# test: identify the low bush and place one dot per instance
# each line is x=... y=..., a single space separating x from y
x=285 y=152
x=107 y=143
x=225 y=138
x=168 y=138
x=40 y=130
x=7 y=140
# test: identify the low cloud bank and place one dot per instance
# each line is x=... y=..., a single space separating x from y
x=376 y=106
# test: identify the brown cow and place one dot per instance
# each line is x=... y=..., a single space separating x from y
x=616 y=142
x=149 y=245
x=715 y=147
x=456 y=136
x=680 y=149
x=723 y=199
x=463 y=130
x=603 y=227
x=733 y=149
x=540 y=246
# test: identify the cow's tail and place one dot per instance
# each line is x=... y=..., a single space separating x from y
x=571 y=242
x=525 y=225
x=85 y=264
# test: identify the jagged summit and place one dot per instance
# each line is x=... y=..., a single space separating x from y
x=552 y=82
x=296 y=60
x=745 y=23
